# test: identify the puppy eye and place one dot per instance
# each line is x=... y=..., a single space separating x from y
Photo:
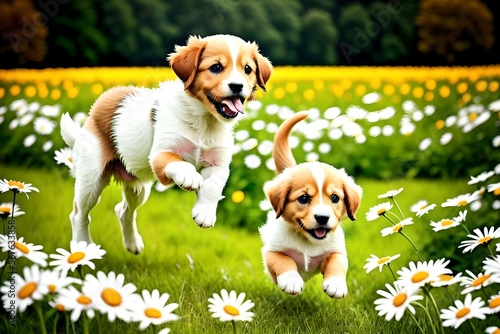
x=335 y=198
x=303 y=199
x=248 y=69
x=216 y=68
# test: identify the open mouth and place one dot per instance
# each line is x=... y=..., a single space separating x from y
x=318 y=233
x=229 y=107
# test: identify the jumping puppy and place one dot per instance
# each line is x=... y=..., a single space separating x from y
x=180 y=132
x=304 y=236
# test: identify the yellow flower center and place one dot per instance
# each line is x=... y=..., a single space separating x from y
x=397 y=227
x=84 y=300
x=419 y=276
x=440 y=124
x=473 y=116
x=60 y=307
x=484 y=240
x=52 y=288
x=496 y=192
x=480 y=280
x=16 y=184
x=445 y=278
x=383 y=260
x=22 y=247
x=231 y=310
x=4 y=209
x=399 y=299
x=462 y=312
x=462 y=203
x=111 y=297
x=497 y=331
x=494 y=303
x=423 y=207
x=75 y=257
x=151 y=312
x=27 y=290
x=446 y=222
x=381 y=211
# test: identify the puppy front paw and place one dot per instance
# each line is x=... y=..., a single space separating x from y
x=335 y=287
x=290 y=282
x=184 y=175
x=134 y=243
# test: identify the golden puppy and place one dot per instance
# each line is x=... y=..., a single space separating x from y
x=180 y=132
x=304 y=236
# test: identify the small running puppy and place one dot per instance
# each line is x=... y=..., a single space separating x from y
x=180 y=132
x=304 y=236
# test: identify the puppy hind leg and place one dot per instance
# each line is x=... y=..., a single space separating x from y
x=133 y=198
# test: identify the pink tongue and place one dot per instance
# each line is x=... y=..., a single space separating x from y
x=233 y=104
x=320 y=232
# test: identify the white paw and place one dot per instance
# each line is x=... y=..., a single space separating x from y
x=184 y=175
x=335 y=287
x=290 y=282
x=204 y=216
x=134 y=243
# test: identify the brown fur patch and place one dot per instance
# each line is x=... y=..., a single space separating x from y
x=101 y=117
x=335 y=265
x=278 y=263
x=160 y=161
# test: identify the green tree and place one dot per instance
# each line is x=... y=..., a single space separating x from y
x=319 y=39
x=448 y=28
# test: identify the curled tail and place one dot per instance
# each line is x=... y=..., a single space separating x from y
x=282 y=153
x=69 y=129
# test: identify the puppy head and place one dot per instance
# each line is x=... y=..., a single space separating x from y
x=313 y=197
x=221 y=71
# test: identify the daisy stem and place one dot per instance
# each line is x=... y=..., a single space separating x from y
x=399 y=209
x=392 y=272
x=449 y=294
x=395 y=215
x=474 y=330
x=234 y=326
x=431 y=322
x=489 y=249
x=418 y=325
x=414 y=246
x=389 y=219
x=80 y=272
x=56 y=320
x=433 y=301
x=85 y=323
x=39 y=314
x=465 y=228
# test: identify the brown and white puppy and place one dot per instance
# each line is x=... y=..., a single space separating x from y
x=180 y=132
x=304 y=236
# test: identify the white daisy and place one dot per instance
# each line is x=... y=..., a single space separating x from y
x=76 y=302
x=424 y=144
x=29 y=140
x=446 y=138
x=51 y=111
x=44 y=126
x=396 y=228
x=374 y=262
x=446 y=280
x=479 y=238
x=494 y=303
x=456 y=315
x=110 y=295
x=492 y=330
x=252 y=161
x=378 y=210
x=481 y=177
x=391 y=193
x=494 y=188
x=230 y=307
x=27 y=289
x=371 y=98
x=82 y=254
x=152 y=308
x=422 y=273
x=6 y=210
x=22 y=249
x=47 y=145
x=395 y=302
x=16 y=186
x=491 y=265
x=443 y=224
x=422 y=207
x=265 y=147
x=55 y=280
x=474 y=282
x=461 y=200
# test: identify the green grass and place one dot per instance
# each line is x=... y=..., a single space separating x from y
x=224 y=258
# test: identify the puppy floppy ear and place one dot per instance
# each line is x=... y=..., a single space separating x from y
x=184 y=61
x=264 y=68
x=277 y=192
x=352 y=196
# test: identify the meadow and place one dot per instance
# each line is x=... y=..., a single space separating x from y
x=425 y=130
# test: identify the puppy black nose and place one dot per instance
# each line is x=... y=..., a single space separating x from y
x=235 y=87
x=322 y=219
